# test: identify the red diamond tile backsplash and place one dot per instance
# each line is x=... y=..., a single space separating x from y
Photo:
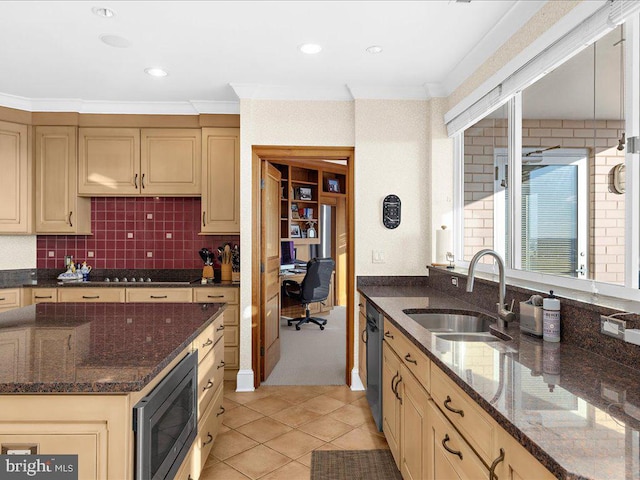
x=135 y=233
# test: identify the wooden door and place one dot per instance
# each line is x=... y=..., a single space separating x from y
x=270 y=277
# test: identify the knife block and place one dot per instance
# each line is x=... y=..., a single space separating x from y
x=226 y=273
x=207 y=271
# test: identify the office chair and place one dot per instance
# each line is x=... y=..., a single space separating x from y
x=314 y=288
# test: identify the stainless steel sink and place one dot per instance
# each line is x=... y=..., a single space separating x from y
x=451 y=321
x=468 y=337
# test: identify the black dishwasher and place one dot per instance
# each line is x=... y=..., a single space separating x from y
x=374 y=363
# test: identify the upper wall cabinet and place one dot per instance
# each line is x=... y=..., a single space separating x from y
x=15 y=181
x=130 y=161
x=220 y=181
x=59 y=210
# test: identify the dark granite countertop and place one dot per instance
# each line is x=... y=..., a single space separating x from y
x=161 y=284
x=577 y=412
x=96 y=347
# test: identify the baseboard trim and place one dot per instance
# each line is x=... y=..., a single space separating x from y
x=244 y=381
x=356 y=383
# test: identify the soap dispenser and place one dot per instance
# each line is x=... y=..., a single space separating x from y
x=551 y=318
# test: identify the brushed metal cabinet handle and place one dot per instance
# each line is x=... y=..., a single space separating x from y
x=492 y=470
x=364 y=336
x=215 y=296
x=222 y=364
x=142 y=181
x=2 y=299
x=388 y=334
x=398 y=393
x=135 y=181
x=69 y=342
x=207 y=343
x=70 y=223
x=451 y=409
x=203 y=224
x=208 y=385
x=89 y=297
x=450 y=450
x=37 y=297
x=209 y=440
x=221 y=411
x=408 y=358
x=158 y=296
x=221 y=327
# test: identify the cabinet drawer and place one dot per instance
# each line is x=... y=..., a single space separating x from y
x=416 y=361
x=472 y=422
x=159 y=295
x=44 y=295
x=208 y=428
x=210 y=376
x=215 y=295
x=451 y=455
x=231 y=315
x=98 y=294
x=204 y=342
x=231 y=336
x=188 y=470
x=9 y=298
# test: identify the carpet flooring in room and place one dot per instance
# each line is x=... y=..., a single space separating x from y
x=353 y=465
x=311 y=356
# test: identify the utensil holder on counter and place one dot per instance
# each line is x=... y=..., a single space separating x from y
x=531 y=319
x=226 y=273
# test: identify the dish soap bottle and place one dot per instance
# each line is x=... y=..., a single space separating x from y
x=551 y=318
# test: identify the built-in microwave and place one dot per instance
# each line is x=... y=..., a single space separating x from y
x=165 y=422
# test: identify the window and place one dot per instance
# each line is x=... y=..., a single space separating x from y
x=537 y=181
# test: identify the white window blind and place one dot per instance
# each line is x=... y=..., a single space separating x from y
x=601 y=22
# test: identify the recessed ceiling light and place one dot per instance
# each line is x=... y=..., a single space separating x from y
x=103 y=12
x=115 y=41
x=310 y=48
x=373 y=49
x=155 y=72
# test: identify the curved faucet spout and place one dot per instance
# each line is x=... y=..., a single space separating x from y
x=504 y=315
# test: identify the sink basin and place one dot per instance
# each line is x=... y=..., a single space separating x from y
x=450 y=321
x=468 y=337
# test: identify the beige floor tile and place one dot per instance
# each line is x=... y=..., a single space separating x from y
x=351 y=414
x=294 y=416
x=291 y=471
x=269 y=405
x=264 y=429
x=345 y=394
x=361 y=402
x=371 y=426
x=294 y=444
x=240 y=416
x=211 y=460
x=245 y=397
x=221 y=471
x=326 y=428
x=223 y=428
x=322 y=404
x=229 y=404
x=306 y=458
x=231 y=443
x=258 y=461
x=360 y=439
x=296 y=395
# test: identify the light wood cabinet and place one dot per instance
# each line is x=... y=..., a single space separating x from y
x=44 y=295
x=131 y=162
x=158 y=295
x=362 y=345
x=56 y=351
x=220 y=181
x=414 y=434
x=518 y=464
x=90 y=294
x=14 y=354
x=391 y=400
x=59 y=209
x=16 y=180
x=171 y=161
x=10 y=298
x=230 y=296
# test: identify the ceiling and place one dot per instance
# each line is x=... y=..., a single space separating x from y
x=218 y=51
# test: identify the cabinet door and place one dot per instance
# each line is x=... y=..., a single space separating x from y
x=44 y=295
x=14 y=355
x=414 y=433
x=220 y=180
x=90 y=294
x=10 y=298
x=518 y=464
x=171 y=161
x=15 y=181
x=54 y=355
x=109 y=161
x=390 y=402
x=158 y=295
x=58 y=208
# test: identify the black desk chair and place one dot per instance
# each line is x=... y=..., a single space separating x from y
x=314 y=288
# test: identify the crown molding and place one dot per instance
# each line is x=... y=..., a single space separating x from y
x=361 y=92
x=192 y=107
x=291 y=92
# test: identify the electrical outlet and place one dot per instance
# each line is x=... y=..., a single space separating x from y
x=454 y=281
x=377 y=256
x=612 y=327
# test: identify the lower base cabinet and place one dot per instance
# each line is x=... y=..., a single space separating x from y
x=414 y=433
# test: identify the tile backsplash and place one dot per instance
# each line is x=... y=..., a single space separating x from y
x=135 y=233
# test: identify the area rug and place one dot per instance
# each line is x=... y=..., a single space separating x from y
x=353 y=465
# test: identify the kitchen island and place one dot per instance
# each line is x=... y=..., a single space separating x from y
x=70 y=374
x=574 y=412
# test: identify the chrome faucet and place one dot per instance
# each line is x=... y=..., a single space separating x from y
x=504 y=314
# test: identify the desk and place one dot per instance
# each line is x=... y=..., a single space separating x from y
x=291 y=308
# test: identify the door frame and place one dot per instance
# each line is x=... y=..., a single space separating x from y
x=273 y=153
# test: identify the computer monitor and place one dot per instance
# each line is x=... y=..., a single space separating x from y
x=287 y=253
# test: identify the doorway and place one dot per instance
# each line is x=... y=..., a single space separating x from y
x=301 y=156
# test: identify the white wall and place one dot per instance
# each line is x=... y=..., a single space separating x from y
x=17 y=252
x=391 y=158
